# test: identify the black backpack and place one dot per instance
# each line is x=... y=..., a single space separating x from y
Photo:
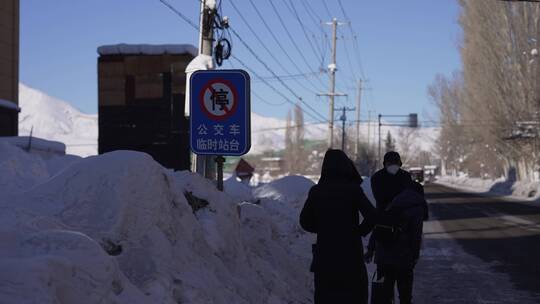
x=388 y=228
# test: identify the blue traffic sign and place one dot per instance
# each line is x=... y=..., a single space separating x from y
x=220 y=122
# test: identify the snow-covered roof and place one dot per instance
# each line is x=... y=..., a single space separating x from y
x=147 y=49
x=8 y=104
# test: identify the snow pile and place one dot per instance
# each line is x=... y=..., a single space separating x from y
x=238 y=190
x=12 y=177
x=289 y=190
x=366 y=187
x=20 y=170
x=54 y=119
x=500 y=186
x=119 y=228
x=284 y=199
x=37 y=145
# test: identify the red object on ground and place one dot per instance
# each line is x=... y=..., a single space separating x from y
x=244 y=169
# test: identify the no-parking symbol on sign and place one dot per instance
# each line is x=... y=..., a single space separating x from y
x=220 y=112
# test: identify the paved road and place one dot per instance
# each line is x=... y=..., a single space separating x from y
x=479 y=249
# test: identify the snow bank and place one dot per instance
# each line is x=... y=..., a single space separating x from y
x=238 y=190
x=19 y=170
x=517 y=189
x=283 y=199
x=290 y=189
x=119 y=228
x=366 y=187
x=38 y=145
x=59 y=266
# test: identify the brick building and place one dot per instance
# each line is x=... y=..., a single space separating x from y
x=141 y=101
x=9 y=67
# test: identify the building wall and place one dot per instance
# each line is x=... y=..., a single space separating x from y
x=9 y=52
x=141 y=106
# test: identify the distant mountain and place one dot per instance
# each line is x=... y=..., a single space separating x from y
x=55 y=119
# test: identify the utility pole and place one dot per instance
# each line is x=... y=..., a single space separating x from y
x=332 y=68
x=369 y=129
x=204 y=163
x=343 y=119
x=379 y=153
x=357 y=142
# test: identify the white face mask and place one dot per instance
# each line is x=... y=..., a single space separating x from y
x=392 y=169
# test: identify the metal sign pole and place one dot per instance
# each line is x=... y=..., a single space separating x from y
x=220 y=160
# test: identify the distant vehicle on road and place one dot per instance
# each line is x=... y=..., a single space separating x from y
x=429 y=173
x=417 y=174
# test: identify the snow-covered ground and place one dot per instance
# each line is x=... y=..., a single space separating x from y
x=446 y=273
x=119 y=228
x=501 y=187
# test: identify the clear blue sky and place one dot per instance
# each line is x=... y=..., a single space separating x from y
x=402 y=46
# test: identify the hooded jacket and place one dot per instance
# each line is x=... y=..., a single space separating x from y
x=332 y=212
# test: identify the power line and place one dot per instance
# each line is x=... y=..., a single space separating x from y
x=293 y=10
x=259 y=97
x=272 y=72
x=290 y=76
x=265 y=47
x=311 y=12
x=177 y=12
x=327 y=9
x=355 y=39
x=276 y=90
x=290 y=37
x=317 y=20
x=265 y=100
x=355 y=76
x=276 y=40
x=186 y=19
x=315 y=123
x=293 y=127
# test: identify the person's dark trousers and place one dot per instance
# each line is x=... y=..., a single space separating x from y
x=344 y=288
x=404 y=279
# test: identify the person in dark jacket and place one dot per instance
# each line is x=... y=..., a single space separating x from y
x=397 y=258
x=332 y=212
x=390 y=180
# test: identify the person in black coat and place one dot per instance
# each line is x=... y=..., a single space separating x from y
x=390 y=180
x=332 y=212
x=397 y=258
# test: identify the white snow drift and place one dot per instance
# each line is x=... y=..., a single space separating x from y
x=119 y=228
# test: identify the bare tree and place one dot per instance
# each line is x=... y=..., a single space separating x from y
x=289 y=144
x=389 y=143
x=501 y=84
x=407 y=145
x=299 y=155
